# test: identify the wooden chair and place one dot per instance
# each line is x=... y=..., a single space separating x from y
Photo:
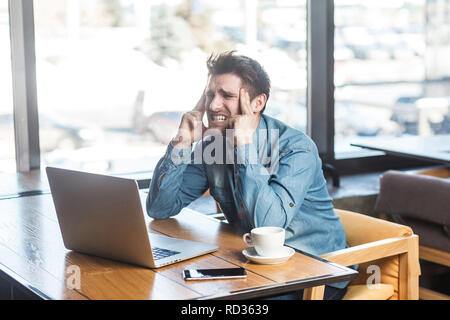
x=438 y=172
x=376 y=245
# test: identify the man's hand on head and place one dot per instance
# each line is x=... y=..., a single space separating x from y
x=246 y=123
x=191 y=128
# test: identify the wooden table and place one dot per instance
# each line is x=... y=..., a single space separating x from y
x=19 y=184
x=34 y=260
x=432 y=148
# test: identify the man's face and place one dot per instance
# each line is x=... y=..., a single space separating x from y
x=222 y=99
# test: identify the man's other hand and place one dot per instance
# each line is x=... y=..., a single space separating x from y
x=245 y=124
x=191 y=128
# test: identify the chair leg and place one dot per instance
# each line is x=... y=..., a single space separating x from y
x=409 y=269
x=314 y=293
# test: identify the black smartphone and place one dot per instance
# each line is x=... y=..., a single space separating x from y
x=209 y=274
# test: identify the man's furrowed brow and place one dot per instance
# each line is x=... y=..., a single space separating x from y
x=227 y=93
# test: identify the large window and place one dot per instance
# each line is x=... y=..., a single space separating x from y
x=392 y=72
x=114 y=77
x=7 y=162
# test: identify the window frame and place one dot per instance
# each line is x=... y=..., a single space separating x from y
x=23 y=67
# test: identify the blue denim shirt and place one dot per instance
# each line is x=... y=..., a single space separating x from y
x=276 y=181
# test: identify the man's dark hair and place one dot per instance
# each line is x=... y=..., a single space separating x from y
x=252 y=74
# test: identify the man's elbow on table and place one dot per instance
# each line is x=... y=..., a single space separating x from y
x=157 y=212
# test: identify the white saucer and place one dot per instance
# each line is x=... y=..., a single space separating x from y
x=252 y=255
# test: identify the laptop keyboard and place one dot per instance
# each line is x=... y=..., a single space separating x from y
x=159 y=253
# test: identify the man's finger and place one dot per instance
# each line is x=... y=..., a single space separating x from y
x=200 y=107
x=245 y=102
x=231 y=122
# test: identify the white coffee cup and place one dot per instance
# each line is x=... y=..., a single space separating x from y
x=267 y=241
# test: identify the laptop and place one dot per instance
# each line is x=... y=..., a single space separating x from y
x=102 y=215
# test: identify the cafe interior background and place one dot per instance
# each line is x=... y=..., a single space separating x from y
x=113 y=78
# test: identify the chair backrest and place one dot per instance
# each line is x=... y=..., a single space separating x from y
x=361 y=229
x=420 y=201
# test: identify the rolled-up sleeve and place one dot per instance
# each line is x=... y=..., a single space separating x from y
x=176 y=182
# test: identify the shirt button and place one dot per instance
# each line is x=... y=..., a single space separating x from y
x=291 y=204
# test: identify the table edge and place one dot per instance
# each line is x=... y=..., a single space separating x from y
x=284 y=287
